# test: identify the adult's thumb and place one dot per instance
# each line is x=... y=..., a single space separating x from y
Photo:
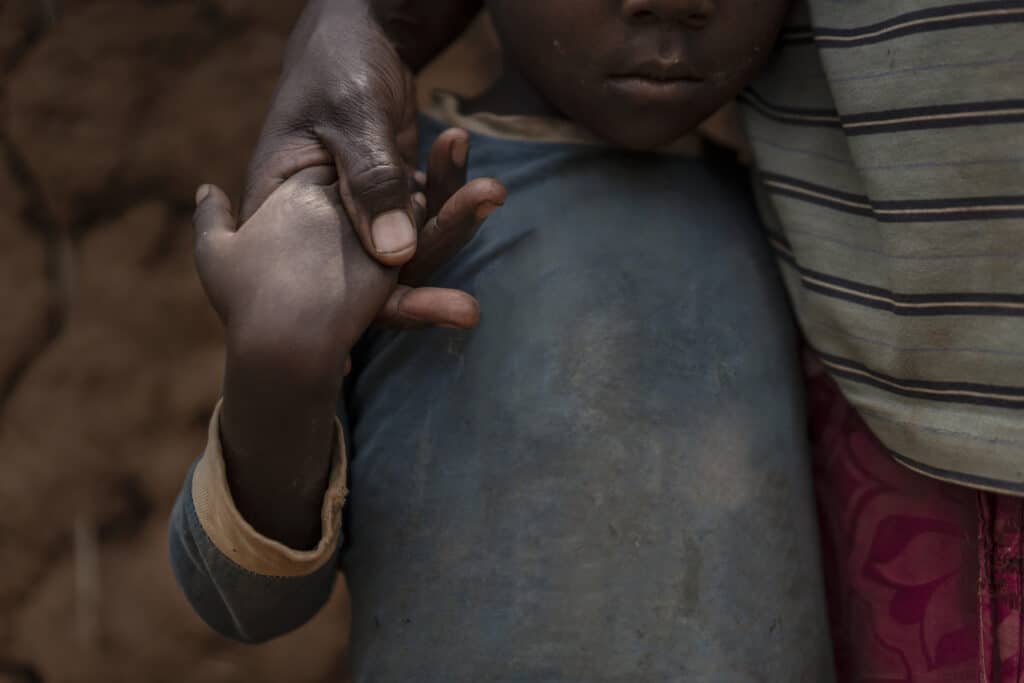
x=374 y=185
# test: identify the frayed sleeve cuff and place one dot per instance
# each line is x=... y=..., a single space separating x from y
x=237 y=540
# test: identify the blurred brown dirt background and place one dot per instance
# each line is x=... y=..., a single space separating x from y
x=111 y=113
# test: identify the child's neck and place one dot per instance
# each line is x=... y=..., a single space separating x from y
x=512 y=95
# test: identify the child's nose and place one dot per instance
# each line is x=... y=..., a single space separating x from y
x=691 y=13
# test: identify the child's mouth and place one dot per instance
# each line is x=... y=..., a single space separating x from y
x=675 y=68
x=657 y=79
x=655 y=87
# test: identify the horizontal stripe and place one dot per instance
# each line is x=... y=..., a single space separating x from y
x=944 y=257
x=797 y=35
x=846 y=161
x=826 y=118
x=920 y=69
x=900 y=303
x=817 y=194
x=923 y=21
x=915 y=154
x=984 y=438
x=960 y=478
x=970 y=393
x=815 y=154
x=834 y=331
x=897 y=211
x=941 y=116
x=936 y=116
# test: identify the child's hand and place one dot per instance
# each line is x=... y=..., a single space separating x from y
x=293 y=285
x=295 y=290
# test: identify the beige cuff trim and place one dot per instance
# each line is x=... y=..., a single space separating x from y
x=446 y=108
x=235 y=537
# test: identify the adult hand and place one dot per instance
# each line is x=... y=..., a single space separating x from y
x=294 y=287
x=295 y=290
x=345 y=99
x=453 y=211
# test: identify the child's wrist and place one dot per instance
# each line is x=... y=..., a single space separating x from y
x=305 y=367
x=277 y=437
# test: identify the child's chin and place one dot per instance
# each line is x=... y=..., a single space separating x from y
x=639 y=128
x=638 y=137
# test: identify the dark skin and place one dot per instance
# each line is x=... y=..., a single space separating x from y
x=639 y=73
x=345 y=95
x=295 y=290
x=345 y=98
x=280 y=392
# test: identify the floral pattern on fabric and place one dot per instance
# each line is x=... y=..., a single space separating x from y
x=923 y=577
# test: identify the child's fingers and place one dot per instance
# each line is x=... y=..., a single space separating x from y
x=417 y=181
x=459 y=219
x=426 y=306
x=419 y=209
x=446 y=168
x=213 y=223
x=212 y=216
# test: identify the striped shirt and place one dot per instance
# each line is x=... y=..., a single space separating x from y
x=889 y=138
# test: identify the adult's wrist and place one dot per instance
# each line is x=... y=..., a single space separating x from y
x=324 y=19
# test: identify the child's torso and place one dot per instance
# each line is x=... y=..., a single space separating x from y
x=610 y=472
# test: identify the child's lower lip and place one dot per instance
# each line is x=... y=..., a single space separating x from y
x=644 y=87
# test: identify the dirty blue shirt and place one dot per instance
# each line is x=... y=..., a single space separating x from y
x=607 y=480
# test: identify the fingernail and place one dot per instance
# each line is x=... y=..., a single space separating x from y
x=420 y=177
x=460 y=151
x=392 y=232
x=485 y=210
x=420 y=199
x=202 y=193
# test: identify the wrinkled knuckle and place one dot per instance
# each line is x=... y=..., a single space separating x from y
x=294 y=111
x=378 y=180
x=342 y=107
x=352 y=88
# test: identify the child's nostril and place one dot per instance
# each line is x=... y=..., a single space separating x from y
x=645 y=15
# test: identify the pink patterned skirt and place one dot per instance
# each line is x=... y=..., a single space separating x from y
x=924 y=578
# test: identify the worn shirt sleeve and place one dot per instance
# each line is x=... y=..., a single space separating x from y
x=246 y=586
